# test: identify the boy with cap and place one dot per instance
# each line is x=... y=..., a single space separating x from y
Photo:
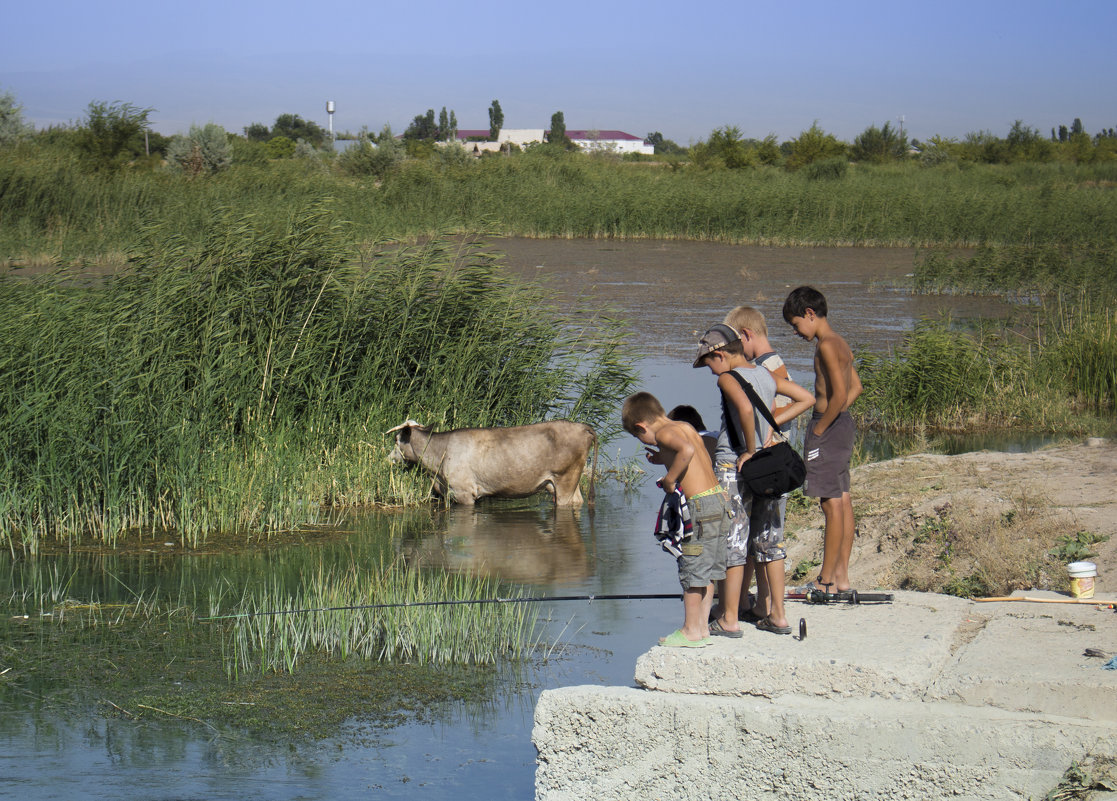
x=757 y=530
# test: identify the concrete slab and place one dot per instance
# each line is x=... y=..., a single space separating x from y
x=1032 y=657
x=928 y=697
x=619 y=744
x=893 y=650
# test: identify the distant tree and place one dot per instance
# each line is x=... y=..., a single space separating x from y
x=496 y=120
x=1076 y=126
x=1025 y=143
x=423 y=127
x=557 y=133
x=768 y=150
x=112 y=134
x=724 y=149
x=295 y=128
x=879 y=145
x=812 y=145
x=453 y=132
x=662 y=146
x=12 y=126
x=257 y=132
x=443 y=124
x=1063 y=133
x=203 y=150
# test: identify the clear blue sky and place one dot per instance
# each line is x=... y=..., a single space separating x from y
x=948 y=66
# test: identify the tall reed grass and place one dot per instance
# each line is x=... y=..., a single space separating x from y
x=244 y=381
x=53 y=209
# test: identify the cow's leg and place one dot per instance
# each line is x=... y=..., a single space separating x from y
x=568 y=490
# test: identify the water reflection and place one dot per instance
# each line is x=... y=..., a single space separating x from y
x=526 y=546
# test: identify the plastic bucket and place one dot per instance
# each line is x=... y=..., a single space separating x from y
x=1082 y=576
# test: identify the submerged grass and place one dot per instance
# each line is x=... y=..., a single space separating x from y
x=334 y=622
x=245 y=383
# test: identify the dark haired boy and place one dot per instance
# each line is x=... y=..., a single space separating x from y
x=828 y=446
x=678 y=447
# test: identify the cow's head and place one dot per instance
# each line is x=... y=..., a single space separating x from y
x=405 y=452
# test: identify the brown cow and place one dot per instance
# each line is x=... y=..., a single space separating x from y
x=472 y=463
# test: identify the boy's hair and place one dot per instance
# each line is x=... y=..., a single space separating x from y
x=801 y=299
x=746 y=318
x=687 y=414
x=640 y=407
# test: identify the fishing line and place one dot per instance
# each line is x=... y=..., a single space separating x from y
x=400 y=604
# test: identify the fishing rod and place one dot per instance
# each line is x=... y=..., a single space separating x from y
x=812 y=596
x=458 y=602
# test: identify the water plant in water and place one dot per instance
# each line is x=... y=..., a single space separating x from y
x=391 y=613
x=244 y=383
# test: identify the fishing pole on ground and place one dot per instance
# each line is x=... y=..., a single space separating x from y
x=851 y=597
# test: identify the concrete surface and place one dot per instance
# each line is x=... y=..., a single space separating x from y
x=928 y=697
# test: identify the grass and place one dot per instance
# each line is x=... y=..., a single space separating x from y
x=243 y=383
x=54 y=210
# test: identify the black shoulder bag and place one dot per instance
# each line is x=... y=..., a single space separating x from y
x=772 y=471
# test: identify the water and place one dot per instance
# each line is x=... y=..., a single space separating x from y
x=671 y=292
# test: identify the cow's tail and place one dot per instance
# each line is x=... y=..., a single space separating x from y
x=592 y=492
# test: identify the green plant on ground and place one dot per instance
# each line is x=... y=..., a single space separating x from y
x=1077 y=546
x=803 y=569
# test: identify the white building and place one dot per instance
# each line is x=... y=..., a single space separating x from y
x=589 y=141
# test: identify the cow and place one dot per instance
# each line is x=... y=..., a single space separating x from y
x=472 y=463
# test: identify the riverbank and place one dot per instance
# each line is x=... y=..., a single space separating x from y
x=927 y=697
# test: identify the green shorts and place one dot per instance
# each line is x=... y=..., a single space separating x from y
x=703 y=559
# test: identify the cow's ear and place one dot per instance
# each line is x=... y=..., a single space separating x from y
x=404 y=434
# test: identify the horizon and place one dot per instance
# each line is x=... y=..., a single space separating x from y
x=955 y=69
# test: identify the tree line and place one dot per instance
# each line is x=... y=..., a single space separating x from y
x=114 y=135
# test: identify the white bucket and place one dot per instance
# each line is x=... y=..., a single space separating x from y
x=1082 y=579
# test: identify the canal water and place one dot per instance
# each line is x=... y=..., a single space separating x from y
x=670 y=292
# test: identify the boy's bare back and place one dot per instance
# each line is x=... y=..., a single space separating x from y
x=683 y=453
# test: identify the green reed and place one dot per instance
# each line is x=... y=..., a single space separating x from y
x=327 y=622
x=244 y=382
x=53 y=210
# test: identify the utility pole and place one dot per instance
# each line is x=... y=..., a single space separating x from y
x=901 y=118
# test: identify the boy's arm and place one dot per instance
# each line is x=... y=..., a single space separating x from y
x=801 y=400
x=735 y=395
x=837 y=395
x=854 y=386
x=670 y=439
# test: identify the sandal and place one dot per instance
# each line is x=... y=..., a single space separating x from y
x=767 y=625
x=677 y=639
x=719 y=630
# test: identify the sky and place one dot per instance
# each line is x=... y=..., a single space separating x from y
x=946 y=68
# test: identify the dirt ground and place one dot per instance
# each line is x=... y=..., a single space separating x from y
x=984 y=522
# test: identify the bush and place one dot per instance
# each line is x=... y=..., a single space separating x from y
x=377 y=160
x=203 y=150
x=827 y=169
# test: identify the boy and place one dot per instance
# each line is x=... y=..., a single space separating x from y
x=678 y=447
x=684 y=413
x=828 y=446
x=758 y=350
x=757 y=526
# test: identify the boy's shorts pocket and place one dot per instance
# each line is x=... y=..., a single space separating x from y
x=691 y=548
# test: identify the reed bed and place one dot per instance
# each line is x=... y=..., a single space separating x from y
x=53 y=210
x=334 y=624
x=244 y=382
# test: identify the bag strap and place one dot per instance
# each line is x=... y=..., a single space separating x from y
x=754 y=399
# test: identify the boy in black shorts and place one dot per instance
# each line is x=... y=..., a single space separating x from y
x=828 y=446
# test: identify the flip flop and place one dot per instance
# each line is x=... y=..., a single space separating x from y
x=767 y=625
x=677 y=639
x=719 y=630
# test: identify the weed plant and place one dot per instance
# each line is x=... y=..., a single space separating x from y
x=334 y=622
x=244 y=382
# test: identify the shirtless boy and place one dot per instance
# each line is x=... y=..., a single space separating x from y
x=679 y=448
x=828 y=446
